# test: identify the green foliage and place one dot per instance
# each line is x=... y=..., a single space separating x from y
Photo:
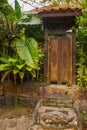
x=8 y=12
x=18 y=54
x=63 y=3
x=82 y=49
x=18 y=10
x=8 y=22
x=28 y=51
x=26 y=59
x=9 y=65
x=82 y=71
x=84 y=115
x=35 y=31
x=3 y=2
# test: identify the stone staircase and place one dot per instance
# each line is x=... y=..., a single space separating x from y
x=57 y=113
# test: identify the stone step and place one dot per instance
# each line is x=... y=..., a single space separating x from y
x=59 y=113
x=40 y=127
x=55 y=102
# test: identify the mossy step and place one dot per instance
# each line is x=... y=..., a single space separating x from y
x=58 y=102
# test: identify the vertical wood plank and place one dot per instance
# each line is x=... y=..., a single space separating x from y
x=46 y=67
x=65 y=60
x=54 y=60
x=48 y=72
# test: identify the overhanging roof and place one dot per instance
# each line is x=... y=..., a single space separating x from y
x=59 y=12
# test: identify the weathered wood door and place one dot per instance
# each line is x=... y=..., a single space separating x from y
x=60 y=60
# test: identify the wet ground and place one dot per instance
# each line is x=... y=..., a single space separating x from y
x=12 y=112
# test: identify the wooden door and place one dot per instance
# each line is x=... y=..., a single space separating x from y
x=60 y=60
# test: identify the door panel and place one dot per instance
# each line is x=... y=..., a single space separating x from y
x=60 y=60
x=64 y=60
x=53 y=60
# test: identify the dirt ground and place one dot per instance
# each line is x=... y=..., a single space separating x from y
x=12 y=112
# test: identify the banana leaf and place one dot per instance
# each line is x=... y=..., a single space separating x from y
x=4 y=60
x=4 y=67
x=15 y=70
x=21 y=74
x=28 y=51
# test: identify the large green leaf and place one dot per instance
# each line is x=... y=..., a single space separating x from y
x=28 y=51
x=12 y=60
x=21 y=74
x=20 y=66
x=15 y=70
x=28 y=68
x=18 y=10
x=33 y=73
x=33 y=48
x=4 y=67
x=4 y=60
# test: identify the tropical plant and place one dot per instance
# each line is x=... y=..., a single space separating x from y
x=11 y=65
x=28 y=51
x=26 y=59
x=18 y=12
x=23 y=53
x=9 y=28
x=82 y=71
x=82 y=49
